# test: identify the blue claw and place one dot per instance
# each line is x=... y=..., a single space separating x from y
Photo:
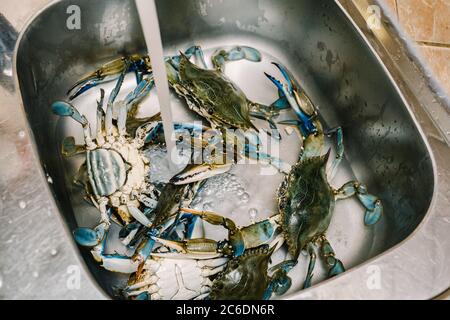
x=306 y=127
x=143 y=296
x=234 y=54
x=290 y=97
x=276 y=82
x=141 y=91
x=369 y=201
x=87 y=237
x=335 y=265
x=281 y=282
x=244 y=52
x=373 y=216
x=65 y=109
x=286 y=76
x=282 y=103
x=252 y=54
x=336 y=269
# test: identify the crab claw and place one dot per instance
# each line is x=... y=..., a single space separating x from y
x=234 y=245
x=292 y=96
x=198 y=172
x=87 y=237
x=65 y=109
x=110 y=72
x=199 y=249
x=374 y=208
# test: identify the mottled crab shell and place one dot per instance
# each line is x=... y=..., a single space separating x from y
x=245 y=277
x=214 y=96
x=106 y=171
x=305 y=202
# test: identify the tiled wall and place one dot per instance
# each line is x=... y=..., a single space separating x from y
x=428 y=23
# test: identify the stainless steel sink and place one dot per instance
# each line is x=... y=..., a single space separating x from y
x=364 y=80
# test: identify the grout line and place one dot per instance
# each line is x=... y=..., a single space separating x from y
x=434 y=44
x=396 y=10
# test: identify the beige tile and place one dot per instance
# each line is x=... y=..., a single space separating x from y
x=391 y=5
x=442 y=22
x=417 y=18
x=438 y=60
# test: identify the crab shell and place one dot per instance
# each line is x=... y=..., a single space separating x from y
x=213 y=96
x=245 y=277
x=305 y=202
x=175 y=279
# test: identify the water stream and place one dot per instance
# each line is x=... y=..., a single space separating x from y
x=152 y=34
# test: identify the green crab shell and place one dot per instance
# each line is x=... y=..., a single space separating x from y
x=244 y=278
x=214 y=96
x=106 y=171
x=306 y=202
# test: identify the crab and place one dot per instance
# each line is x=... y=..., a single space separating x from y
x=174 y=279
x=212 y=95
x=306 y=199
x=207 y=92
x=234 y=268
x=115 y=167
x=248 y=277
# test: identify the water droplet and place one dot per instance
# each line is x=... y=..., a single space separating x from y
x=35 y=274
x=22 y=204
x=207 y=206
x=21 y=134
x=253 y=213
x=54 y=252
x=245 y=197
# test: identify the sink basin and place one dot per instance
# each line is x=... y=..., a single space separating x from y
x=385 y=146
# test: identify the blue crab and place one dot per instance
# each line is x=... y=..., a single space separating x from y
x=207 y=92
x=305 y=198
x=115 y=169
x=238 y=265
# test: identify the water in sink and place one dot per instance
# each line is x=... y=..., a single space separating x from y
x=238 y=193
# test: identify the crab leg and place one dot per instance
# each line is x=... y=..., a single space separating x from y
x=138 y=94
x=292 y=96
x=373 y=205
x=340 y=152
x=235 y=53
x=109 y=109
x=65 y=109
x=100 y=119
x=312 y=263
x=280 y=282
x=195 y=51
x=193 y=172
x=335 y=266
x=200 y=248
x=122 y=119
x=111 y=71
x=235 y=238
x=69 y=148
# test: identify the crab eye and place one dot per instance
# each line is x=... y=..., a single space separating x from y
x=210 y=111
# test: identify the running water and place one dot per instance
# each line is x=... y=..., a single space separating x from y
x=152 y=34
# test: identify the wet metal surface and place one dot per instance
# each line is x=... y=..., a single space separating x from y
x=392 y=141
